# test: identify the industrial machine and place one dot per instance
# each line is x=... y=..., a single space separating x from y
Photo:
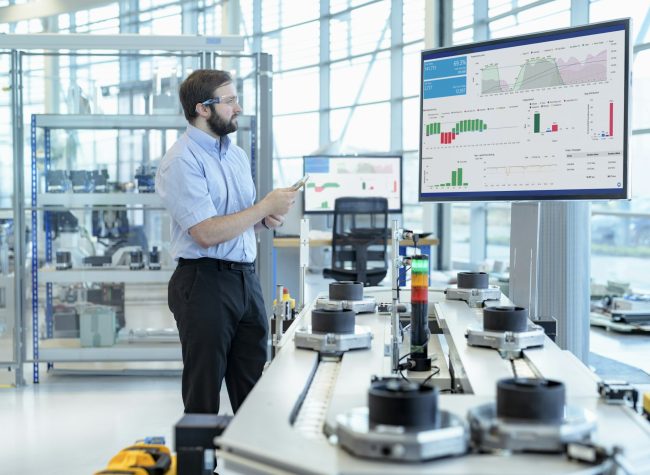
x=537 y=409
x=333 y=329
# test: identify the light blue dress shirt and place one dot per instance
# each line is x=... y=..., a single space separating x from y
x=201 y=177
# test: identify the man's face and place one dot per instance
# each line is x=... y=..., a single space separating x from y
x=223 y=116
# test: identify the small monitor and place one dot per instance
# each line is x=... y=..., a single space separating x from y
x=534 y=117
x=335 y=176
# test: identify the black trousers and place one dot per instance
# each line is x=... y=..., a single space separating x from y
x=219 y=311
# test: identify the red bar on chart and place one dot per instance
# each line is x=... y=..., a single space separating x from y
x=453 y=137
x=554 y=128
x=611 y=119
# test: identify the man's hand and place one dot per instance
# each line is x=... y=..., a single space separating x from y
x=278 y=202
x=273 y=221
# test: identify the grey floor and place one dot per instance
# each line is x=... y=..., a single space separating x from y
x=71 y=425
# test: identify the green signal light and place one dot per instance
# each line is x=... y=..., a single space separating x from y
x=420 y=264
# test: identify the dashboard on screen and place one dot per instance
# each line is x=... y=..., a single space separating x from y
x=535 y=117
x=332 y=177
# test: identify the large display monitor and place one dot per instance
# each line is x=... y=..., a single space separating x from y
x=332 y=177
x=535 y=117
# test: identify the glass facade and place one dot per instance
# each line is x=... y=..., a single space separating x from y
x=346 y=79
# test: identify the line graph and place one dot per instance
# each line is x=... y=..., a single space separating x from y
x=542 y=72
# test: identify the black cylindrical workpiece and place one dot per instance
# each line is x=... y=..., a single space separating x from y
x=136 y=257
x=473 y=280
x=332 y=321
x=346 y=290
x=536 y=400
x=505 y=319
x=397 y=402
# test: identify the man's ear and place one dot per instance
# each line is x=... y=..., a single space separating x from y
x=201 y=110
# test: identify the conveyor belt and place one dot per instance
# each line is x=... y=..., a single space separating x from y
x=313 y=410
x=264 y=438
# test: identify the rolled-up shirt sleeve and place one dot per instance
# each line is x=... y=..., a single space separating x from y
x=183 y=188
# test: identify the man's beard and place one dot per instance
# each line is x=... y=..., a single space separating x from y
x=219 y=126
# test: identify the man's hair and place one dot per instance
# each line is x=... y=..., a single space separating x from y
x=198 y=87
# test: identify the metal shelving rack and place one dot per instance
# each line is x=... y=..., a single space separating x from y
x=69 y=200
x=207 y=50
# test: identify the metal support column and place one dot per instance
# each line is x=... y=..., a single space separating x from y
x=396 y=74
x=564 y=269
x=264 y=169
x=19 y=214
x=324 y=73
x=438 y=29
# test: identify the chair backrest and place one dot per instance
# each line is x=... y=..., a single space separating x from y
x=360 y=233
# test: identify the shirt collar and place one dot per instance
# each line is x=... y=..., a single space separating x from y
x=207 y=141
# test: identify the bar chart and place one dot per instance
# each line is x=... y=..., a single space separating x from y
x=600 y=120
x=456 y=179
x=462 y=126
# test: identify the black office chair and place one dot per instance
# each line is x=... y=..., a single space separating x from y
x=359 y=240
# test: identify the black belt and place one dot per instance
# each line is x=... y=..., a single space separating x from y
x=218 y=263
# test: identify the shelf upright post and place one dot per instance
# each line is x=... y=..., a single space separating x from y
x=48 y=243
x=34 y=254
x=19 y=213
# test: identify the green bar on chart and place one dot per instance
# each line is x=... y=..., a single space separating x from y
x=453 y=178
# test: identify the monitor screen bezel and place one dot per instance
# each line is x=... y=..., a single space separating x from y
x=359 y=156
x=533 y=195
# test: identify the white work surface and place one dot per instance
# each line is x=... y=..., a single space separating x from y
x=262 y=439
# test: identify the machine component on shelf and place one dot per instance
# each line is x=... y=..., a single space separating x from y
x=110 y=223
x=473 y=288
x=136 y=261
x=65 y=321
x=111 y=294
x=154 y=259
x=418 y=359
x=97 y=325
x=333 y=332
x=506 y=329
x=401 y=423
x=97 y=261
x=62 y=222
x=148 y=335
x=99 y=181
x=529 y=415
x=618 y=392
x=194 y=442
x=63 y=260
x=57 y=181
x=347 y=295
x=145 y=176
x=81 y=181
